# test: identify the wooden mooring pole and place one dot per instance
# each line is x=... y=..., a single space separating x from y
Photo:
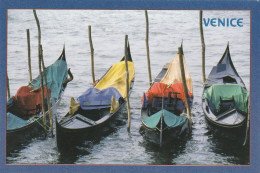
x=29 y=54
x=7 y=87
x=248 y=123
x=47 y=92
x=203 y=49
x=147 y=48
x=127 y=85
x=180 y=52
x=40 y=71
x=92 y=53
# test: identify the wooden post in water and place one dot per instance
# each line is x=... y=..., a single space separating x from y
x=40 y=71
x=248 y=123
x=47 y=92
x=92 y=53
x=127 y=85
x=180 y=52
x=147 y=48
x=7 y=87
x=29 y=54
x=42 y=88
x=203 y=49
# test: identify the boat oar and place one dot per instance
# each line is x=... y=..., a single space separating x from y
x=203 y=49
x=29 y=54
x=40 y=71
x=248 y=123
x=147 y=48
x=92 y=53
x=127 y=85
x=180 y=52
x=47 y=92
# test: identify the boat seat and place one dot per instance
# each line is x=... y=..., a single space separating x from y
x=225 y=105
x=85 y=119
x=168 y=103
x=224 y=114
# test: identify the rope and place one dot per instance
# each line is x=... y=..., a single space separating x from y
x=35 y=118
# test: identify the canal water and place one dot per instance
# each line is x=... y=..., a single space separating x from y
x=168 y=28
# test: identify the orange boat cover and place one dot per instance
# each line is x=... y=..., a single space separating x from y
x=26 y=100
x=162 y=90
x=173 y=74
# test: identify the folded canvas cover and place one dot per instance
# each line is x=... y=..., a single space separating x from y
x=170 y=119
x=95 y=98
x=56 y=74
x=28 y=101
x=14 y=122
x=228 y=92
x=173 y=74
x=162 y=90
x=116 y=77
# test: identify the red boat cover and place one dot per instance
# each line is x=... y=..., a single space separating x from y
x=26 y=100
x=162 y=90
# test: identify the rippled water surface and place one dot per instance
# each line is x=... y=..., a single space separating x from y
x=167 y=30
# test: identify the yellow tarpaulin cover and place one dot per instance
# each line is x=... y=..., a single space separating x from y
x=116 y=77
x=173 y=73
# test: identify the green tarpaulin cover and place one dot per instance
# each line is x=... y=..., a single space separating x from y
x=56 y=74
x=14 y=122
x=226 y=92
x=170 y=119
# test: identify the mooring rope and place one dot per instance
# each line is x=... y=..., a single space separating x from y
x=35 y=118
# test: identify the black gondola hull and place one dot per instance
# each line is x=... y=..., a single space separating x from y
x=233 y=125
x=169 y=134
x=232 y=132
x=20 y=137
x=16 y=138
x=70 y=138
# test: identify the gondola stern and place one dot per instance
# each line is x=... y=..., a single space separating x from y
x=129 y=57
x=226 y=54
x=63 y=56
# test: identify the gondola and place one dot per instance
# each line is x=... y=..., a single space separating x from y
x=225 y=100
x=24 y=109
x=97 y=108
x=163 y=105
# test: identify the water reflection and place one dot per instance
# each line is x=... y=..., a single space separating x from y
x=166 y=154
x=232 y=149
x=71 y=155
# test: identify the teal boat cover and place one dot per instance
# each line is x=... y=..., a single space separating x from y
x=170 y=119
x=228 y=92
x=56 y=74
x=14 y=122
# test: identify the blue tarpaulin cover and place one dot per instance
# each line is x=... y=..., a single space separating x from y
x=170 y=119
x=95 y=98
